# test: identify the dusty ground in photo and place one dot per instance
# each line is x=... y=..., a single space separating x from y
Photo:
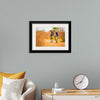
x=43 y=39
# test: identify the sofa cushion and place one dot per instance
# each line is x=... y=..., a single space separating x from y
x=12 y=88
x=11 y=76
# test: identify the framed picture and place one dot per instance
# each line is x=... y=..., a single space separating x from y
x=50 y=37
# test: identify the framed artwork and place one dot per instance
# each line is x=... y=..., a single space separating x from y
x=50 y=36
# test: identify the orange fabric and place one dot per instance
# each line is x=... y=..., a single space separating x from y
x=10 y=75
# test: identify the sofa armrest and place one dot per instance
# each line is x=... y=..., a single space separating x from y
x=29 y=91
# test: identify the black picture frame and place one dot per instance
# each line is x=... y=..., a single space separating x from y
x=49 y=51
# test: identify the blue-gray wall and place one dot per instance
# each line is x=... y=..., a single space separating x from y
x=45 y=69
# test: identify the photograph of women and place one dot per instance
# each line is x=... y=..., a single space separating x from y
x=50 y=36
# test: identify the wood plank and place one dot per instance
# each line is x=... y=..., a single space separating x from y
x=73 y=92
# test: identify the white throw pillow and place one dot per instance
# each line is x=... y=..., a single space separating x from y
x=12 y=88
